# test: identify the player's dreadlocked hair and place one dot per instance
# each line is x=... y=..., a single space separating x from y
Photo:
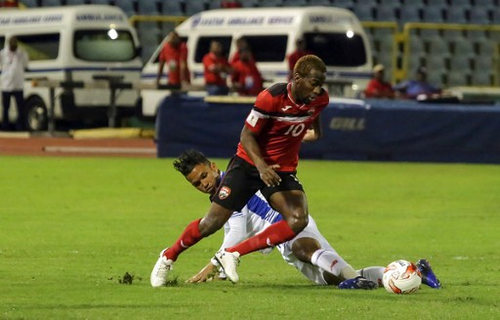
x=308 y=62
x=188 y=160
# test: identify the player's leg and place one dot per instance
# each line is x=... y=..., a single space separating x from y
x=289 y=199
x=194 y=232
x=6 y=106
x=310 y=246
x=21 y=113
x=374 y=273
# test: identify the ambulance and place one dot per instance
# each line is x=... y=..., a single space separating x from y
x=334 y=34
x=74 y=43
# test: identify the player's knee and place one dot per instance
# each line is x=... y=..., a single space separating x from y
x=298 y=222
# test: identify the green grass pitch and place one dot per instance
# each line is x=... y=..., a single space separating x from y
x=70 y=228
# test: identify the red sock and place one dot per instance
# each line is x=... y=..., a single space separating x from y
x=189 y=237
x=276 y=233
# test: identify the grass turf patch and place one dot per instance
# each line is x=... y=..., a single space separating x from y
x=71 y=228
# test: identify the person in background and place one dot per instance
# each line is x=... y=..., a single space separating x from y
x=228 y=4
x=216 y=69
x=241 y=44
x=378 y=87
x=246 y=78
x=411 y=89
x=13 y=62
x=174 y=56
x=299 y=52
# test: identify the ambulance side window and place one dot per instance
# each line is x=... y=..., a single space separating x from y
x=270 y=48
x=203 y=46
x=40 y=46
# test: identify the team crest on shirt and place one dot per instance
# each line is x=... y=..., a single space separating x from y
x=311 y=111
x=224 y=192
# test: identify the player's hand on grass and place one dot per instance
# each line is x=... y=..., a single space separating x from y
x=208 y=273
x=269 y=175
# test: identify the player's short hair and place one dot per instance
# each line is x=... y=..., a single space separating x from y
x=188 y=160
x=308 y=62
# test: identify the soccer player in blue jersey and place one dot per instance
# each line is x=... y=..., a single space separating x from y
x=309 y=252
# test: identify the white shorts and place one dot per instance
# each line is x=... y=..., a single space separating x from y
x=313 y=273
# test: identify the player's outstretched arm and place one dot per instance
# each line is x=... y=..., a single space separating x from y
x=314 y=133
x=208 y=273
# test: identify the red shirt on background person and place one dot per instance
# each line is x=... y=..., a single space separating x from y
x=241 y=44
x=246 y=78
x=377 y=87
x=174 y=56
x=216 y=69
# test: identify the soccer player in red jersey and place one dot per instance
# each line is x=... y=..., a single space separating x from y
x=266 y=160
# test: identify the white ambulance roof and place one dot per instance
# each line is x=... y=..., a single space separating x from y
x=270 y=18
x=83 y=15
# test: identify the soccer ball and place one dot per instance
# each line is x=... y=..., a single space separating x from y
x=401 y=276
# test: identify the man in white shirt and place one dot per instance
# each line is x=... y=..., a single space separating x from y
x=13 y=62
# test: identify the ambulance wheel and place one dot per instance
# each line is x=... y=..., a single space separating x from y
x=36 y=114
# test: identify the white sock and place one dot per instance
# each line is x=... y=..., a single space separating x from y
x=374 y=274
x=331 y=262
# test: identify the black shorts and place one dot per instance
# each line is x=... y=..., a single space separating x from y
x=242 y=181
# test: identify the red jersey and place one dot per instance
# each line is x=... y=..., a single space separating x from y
x=280 y=124
x=172 y=56
x=218 y=78
x=248 y=77
x=378 y=89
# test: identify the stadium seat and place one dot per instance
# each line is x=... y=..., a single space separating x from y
x=171 y=8
x=194 y=6
x=459 y=2
x=30 y=3
x=410 y=13
x=126 y=5
x=457 y=78
x=74 y=2
x=364 y=12
x=325 y=3
x=249 y=3
x=435 y=63
x=476 y=36
x=483 y=63
x=450 y=35
x=271 y=3
x=437 y=46
x=429 y=33
x=107 y=2
x=148 y=7
x=485 y=47
x=462 y=47
x=416 y=46
x=481 y=78
x=433 y=13
x=435 y=78
x=479 y=15
x=346 y=4
x=456 y=14
x=484 y=3
x=386 y=13
x=51 y=3
x=294 y=3
x=459 y=62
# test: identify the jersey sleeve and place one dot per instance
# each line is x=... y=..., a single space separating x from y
x=259 y=114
